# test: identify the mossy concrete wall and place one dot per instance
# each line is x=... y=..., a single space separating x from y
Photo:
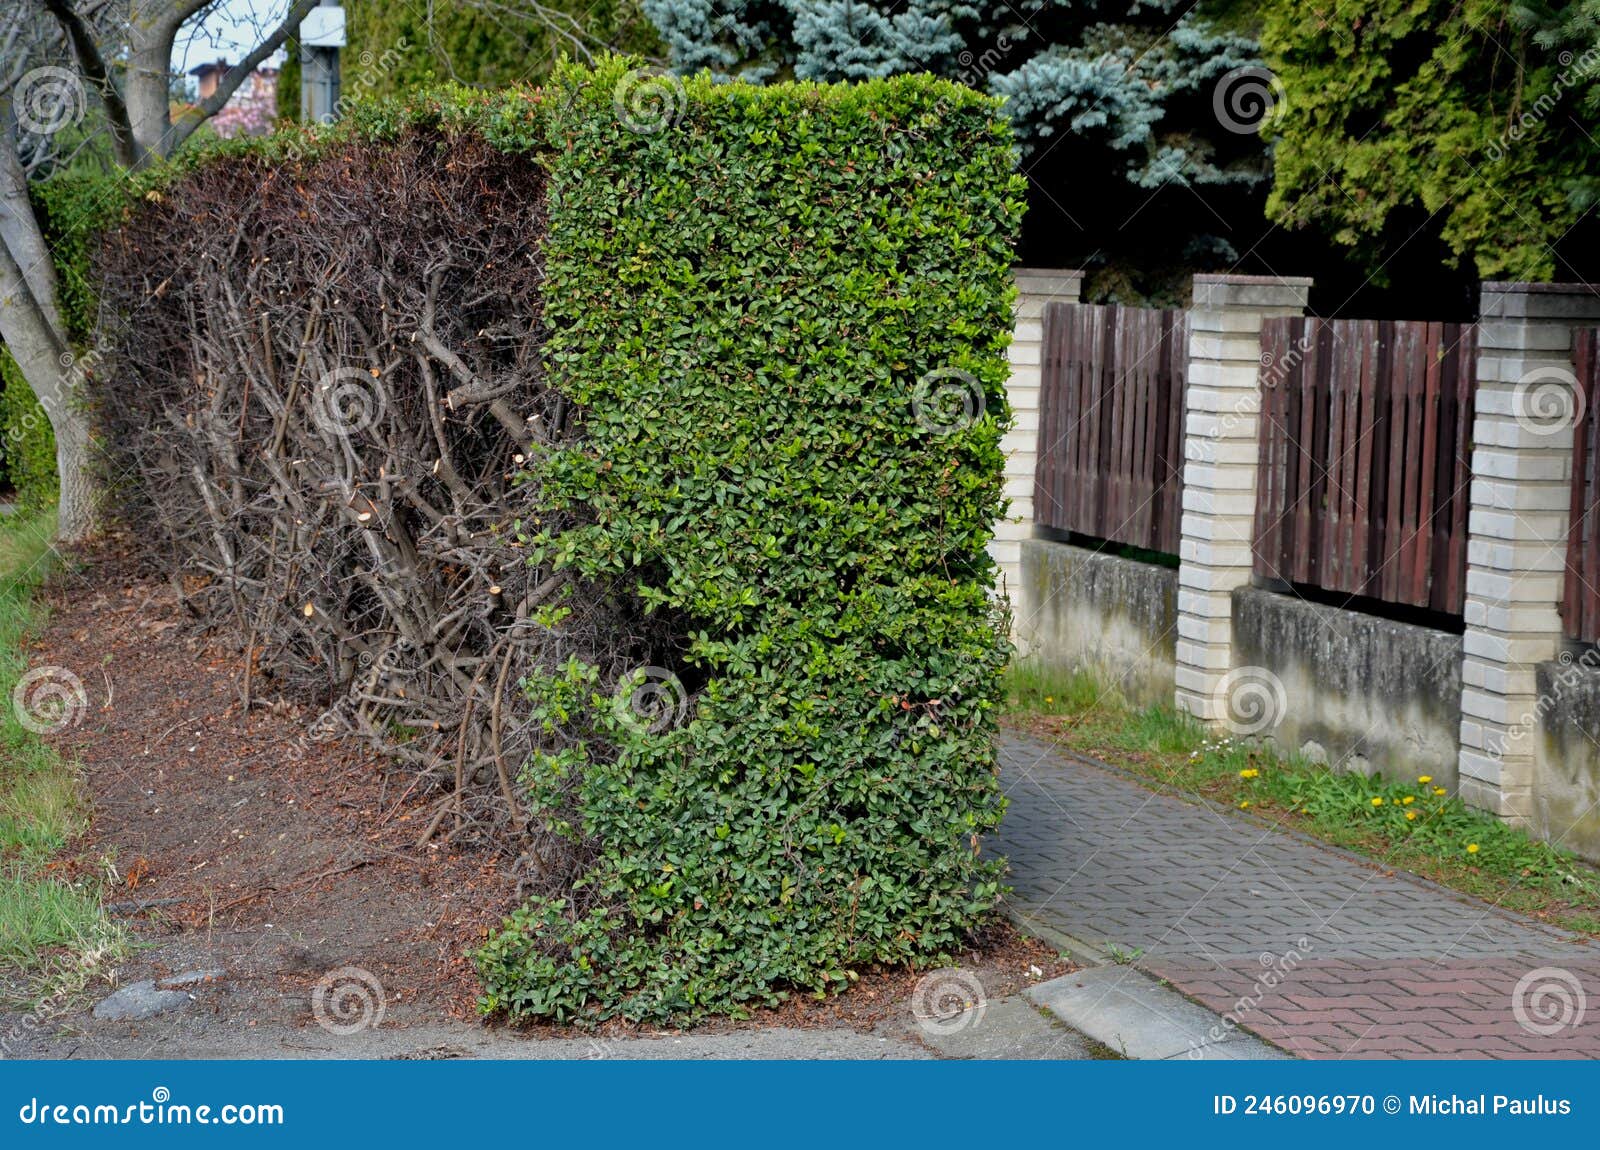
x=1117 y=618
x=1361 y=692
x=1565 y=727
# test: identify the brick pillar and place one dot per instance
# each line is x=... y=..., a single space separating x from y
x=1516 y=529
x=1035 y=288
x=1222 y=407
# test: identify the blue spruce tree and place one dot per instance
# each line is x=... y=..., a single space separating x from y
x=1137 y=120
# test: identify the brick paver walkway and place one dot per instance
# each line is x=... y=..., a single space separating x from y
x=1302 y=944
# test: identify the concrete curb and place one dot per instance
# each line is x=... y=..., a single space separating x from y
x=1127 y=1010
x=1141 y=1018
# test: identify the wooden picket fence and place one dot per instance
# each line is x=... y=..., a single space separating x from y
x=1580 y=600
x=1365 y=457
x=1110 y=461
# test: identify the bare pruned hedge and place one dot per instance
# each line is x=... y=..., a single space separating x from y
x=329 y=381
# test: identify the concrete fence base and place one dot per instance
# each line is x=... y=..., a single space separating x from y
x=1115 y=618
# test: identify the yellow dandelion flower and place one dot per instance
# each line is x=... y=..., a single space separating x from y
x=1377 y=802
x=1472 y=848
x=1411 y=816
x=1440 y=791
x=1408 y=800
x=1244 y=804
x=1249 y=773
x=1049 y=698
x=1424 y=778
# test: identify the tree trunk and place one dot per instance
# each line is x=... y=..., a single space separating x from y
x=78 y=503
x=149 y=90
x=142 y=129
x=48 y=365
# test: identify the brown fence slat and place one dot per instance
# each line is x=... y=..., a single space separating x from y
x=1142 y=492
x=1588 y=567
x=1368 y=396
x=1424 y=433
x=1342 y=370
x=1301 y=383
x=1047 y=462
x=1086 y=418
x=1580 y=597
x=1450 y=566
x=1447 y=468
x=1386 y=535
x=1299 y=341
x=1175 y=367
x=1270 y=497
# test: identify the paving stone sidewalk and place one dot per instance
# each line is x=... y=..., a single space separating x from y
x=1304 y=945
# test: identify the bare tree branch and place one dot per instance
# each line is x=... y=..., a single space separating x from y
x=93 y=66
x=22 y=321
x=236 y=75
x=187 y=8
x=21 y=237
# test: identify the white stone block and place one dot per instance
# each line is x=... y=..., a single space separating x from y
x=1204 y=604
x=1521 y=465
x=1487 y=645
x=1236 y=509
x=1242 y=347
x=1201 y=629
x=1222 y=376
x=1018 y=442
x=1482 y=767
x=1261 y=295
x=1485 y=707
x=1024 y=376
x=1520 y=494
x=1221 y=478
x=1501 y=369
x=1007 y=553
x=1028 y=330
x=1196 y=682
x=1206 y=553
x=1211 y=657
x=1013 y=530
x=1227 y=320
x=1521 y=335
x=1488 y=555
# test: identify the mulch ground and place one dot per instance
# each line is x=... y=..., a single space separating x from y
x=277 y=855
x=232 y=839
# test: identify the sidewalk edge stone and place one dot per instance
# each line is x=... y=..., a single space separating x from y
x=1140 y=1018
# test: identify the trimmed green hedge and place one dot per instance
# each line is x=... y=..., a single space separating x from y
x=784 y=313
